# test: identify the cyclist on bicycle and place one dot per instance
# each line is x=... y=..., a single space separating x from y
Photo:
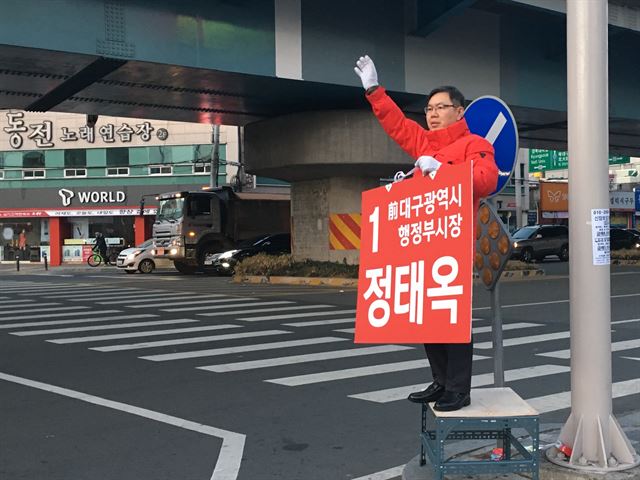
x=101 y=246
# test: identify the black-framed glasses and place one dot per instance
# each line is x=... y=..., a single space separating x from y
x=441 y=107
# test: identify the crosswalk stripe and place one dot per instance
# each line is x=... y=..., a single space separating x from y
x=314 y=323
x=185 y=341
x=11 y=302
x=252 y=310
x=96 y=294
x=321 y=377
x=31 y=304
x=631 y=320
x=615 y=347
x=33 y=288
x=562 y=400
x=295 y=315
x=509 y=342
x=47 y=309
x=149 y=298
x=219 y=307
x=196 y=302
x=145 y=333
x=52 y=331
x=489 y=328
x=400 y=393
x=310 y=357
x=242 y=348
x=72 y=314
x=83 y=320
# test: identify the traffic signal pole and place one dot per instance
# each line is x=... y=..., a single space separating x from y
x=598 y=443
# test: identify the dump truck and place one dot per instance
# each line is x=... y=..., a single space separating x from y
x=192 y=226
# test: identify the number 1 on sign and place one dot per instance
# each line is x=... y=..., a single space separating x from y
x=374 y=218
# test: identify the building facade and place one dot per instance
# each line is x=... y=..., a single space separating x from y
x=63 y=179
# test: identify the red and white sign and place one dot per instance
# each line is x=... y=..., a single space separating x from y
x=76 y=212
x=415 y=279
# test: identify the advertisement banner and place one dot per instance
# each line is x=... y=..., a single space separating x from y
x=415 y=278
x=554 y=197
x=621 y=201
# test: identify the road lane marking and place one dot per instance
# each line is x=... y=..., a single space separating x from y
x=128 y=300
x=509 y=342
x=562 y=400
x=228 y=463
x=242 y=348
x=306 y=358
x=400 y=393
x=252 y=310
x=196 y=302
x=551 y=302
x=615 y=347
x=48 y=309
x=295 y=315
x=185 y=341
x=52 y=331
x=72 y=314
x=145 y=333
x=219 y=307
x=315 y=323
x=83 y=320
x=298 y=380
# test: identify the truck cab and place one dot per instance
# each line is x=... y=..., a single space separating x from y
x=192 y=226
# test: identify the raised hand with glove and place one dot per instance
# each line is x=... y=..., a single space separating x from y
x=427 y=164
x=366 y=70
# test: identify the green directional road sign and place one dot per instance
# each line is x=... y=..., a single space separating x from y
x=541 y=160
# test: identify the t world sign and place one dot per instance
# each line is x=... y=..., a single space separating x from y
x=91 y=197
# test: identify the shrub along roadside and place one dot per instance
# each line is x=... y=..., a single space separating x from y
x=625 y=255
x=284 y=266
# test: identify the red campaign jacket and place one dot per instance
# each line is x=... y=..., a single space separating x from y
x=451 y=145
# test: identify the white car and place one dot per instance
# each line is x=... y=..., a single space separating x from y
x=137 y=258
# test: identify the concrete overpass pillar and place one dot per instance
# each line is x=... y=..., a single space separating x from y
x=330 y=158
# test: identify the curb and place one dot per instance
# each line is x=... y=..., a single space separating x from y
x=625 y=262
x=516 y=274
x=314 y=281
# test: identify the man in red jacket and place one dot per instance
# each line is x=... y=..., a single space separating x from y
x=447 y=141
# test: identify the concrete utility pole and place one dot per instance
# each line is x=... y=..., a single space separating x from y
x=598 y=442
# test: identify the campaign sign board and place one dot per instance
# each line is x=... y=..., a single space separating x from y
x=491 y=118
x=415 y=278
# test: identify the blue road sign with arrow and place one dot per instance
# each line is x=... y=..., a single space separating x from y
x=491 y=118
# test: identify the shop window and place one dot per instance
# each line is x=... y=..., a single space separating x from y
x=33 y=160
x=201 y=168
x=75 y=158
x=117 y=157
x=75 y=172
x=117 y=172
x=33 y=173
x=1 y=174
x=160 y=169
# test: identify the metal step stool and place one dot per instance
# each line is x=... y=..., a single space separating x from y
x=493 y=413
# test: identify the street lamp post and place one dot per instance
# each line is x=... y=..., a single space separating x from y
x=591 y=431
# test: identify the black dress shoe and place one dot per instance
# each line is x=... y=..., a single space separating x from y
x=450 y=401
x=430 y=394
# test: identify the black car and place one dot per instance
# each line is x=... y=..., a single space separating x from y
x=277 y=244
x=623 y=239
x=537 y=241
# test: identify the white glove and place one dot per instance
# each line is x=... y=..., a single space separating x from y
x=427 y=164
x=366 y=70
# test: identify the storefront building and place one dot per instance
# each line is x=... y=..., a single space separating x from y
x=61 y=180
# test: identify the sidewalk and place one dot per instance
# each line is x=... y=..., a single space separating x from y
x=481 y=450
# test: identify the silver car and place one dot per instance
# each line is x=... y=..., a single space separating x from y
x=137 y=258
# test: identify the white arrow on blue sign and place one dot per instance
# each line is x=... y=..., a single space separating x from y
x=491 y=118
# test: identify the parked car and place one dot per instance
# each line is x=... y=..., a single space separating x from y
x=225 y=262
x=537 y=241
x=634 y=230
x=622 y=238
x=137 y=258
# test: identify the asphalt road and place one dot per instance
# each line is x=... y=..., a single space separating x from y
x=112 y=376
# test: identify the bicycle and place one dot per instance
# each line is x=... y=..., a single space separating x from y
x=96 y=259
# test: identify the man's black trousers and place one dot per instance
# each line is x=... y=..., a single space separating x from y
x=451 y=365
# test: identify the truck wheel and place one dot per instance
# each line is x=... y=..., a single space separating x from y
x=203 y=252
x=184 y=268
